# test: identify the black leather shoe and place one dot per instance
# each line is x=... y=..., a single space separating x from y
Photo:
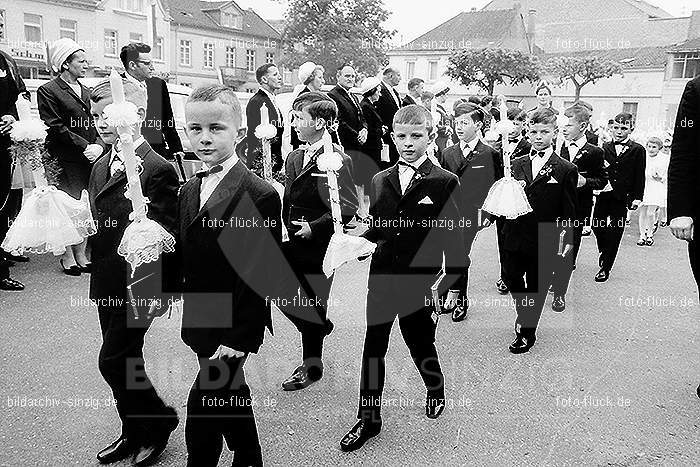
x=148 y=455
x=71 y=271
x=602 y=276
x=521 y=344
x=87 y=269
x=17 y=258
x=434 y=406
x=118 y=450
x=501 y=287
x=558 y=303
x=459 y=313
x=329 y=327
x=300 y=379
x=11 y=284
x=359 y=434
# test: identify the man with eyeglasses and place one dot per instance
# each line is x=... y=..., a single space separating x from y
x=159 y=126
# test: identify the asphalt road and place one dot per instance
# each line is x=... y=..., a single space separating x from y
x=611 y=381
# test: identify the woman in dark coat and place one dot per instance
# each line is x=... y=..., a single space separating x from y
x=64 y=106
x=368 y=165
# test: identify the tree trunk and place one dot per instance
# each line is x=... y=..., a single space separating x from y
x=578 y=92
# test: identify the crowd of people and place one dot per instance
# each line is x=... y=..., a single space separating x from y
x=408 y=167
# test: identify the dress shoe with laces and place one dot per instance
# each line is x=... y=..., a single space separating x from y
x=359 y=434
x=501 y=287
x=459 y=313
x=521 y=344
x=434 y=406
x=118 y=450
x=301 y=379
x=10 y=284
x=602 y=276
x=558 y=303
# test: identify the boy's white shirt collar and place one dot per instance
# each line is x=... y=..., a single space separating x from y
x=471 y=145
x=418 y=162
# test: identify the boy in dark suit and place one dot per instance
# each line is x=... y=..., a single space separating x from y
x=625 y=161
x=592 y=176
x=415 y=90
x=146 y=421
x=534 y=243
x=226 y=263
x=478 y=166
x=307 y=216
x=415 y=209
x=518 y=146
x=270 y=80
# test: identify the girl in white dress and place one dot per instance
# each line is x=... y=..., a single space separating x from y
x=655 y=188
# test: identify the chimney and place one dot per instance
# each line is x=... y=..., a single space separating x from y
x=694 y=28
x=531 y=28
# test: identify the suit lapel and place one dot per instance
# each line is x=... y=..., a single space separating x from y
x=423 y=171
x=394 y=178
x=551 y=162
x=63 y=85
x=120 y=177
x=224 y=191
x=527 y=169
x=190 y=200
x=312 y=165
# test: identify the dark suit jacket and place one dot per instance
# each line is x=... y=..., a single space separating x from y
x=350 y=118
x=70 y=131
x=226 y=270
x=412 y=231
x=590 y=164
x=254 y=151
x=522 y=149
x=293 y=137
x=159 y=127
x=626 y=172
x=387 y=108
x=368 y=165
x=307 y=195
x=684 y=168
x=407 y=100
x=12 y=87
x=550 y=202
x=477 y=173
x=68 y=118
x=111 y=209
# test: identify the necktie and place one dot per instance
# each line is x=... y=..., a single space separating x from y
x=205 y=173
x=117 y=165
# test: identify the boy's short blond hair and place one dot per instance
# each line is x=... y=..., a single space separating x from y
x=414 y=115
x=218 y=92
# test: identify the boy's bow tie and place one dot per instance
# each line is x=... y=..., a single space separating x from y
x=205 y=173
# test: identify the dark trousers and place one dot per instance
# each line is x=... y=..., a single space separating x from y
x=418 y=332
x=220 y=407
x=5 y=205
x=499 y=240
x=565 y=266
x=305 y=302
x=469 y=237
x=528 y=275
x=609 y=218
x=144 y=415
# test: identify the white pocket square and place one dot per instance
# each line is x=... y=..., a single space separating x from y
x=552 y=180
x=477 y=167
x=426 y=200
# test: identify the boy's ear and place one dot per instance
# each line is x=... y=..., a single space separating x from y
x=141 y=113
x=432 y=135
x=319 y=124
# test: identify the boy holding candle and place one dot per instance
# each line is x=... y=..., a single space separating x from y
x=534 y=244
x=478 y=166
x=307 y=216
x=146 y=421
x=226 y=265
x=415 y=209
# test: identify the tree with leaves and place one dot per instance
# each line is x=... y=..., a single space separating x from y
x=581 y=70
x=488 y=67
x=333 y=32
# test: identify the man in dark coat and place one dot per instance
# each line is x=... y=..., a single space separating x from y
x=123 y=296
x=625 y=161
x=352 y=129
x=535 y=242
x=270 y=80
x=684 y=175
x=226 y=265
x=388 y=104
x=159 y=126
x=589 y=161
x=11 y=88
x=478 y=166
